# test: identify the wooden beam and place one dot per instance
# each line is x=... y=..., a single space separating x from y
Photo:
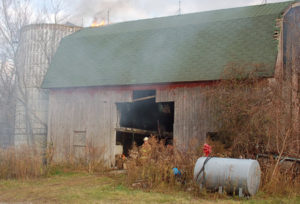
x=144 y=98
x=140 y=131
x=134 y=130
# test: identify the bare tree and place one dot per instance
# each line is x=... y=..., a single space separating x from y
x=7 y=106
x=14 y=16
x=54 y=11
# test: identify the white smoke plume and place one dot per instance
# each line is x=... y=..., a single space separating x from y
x=107 y=10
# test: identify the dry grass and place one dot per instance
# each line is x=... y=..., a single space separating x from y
x=20 y=163
x=27 y=162
x=90 y=160
x=285 y=180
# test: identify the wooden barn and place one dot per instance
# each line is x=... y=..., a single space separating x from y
x=112 y=85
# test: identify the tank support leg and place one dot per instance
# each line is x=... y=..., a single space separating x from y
x=241 y=193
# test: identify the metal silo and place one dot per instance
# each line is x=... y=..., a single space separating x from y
x=37 y=45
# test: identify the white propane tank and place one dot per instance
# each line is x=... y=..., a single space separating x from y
x=240 y=176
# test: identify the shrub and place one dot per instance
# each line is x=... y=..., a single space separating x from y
x=155 y=168
x=253 y=117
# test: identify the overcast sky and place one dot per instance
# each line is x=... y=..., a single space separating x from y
x=84 y=11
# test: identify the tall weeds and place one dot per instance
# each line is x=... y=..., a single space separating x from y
x=20 y=163
x=89 y=159
x=253 y=117
x=155 y=169
x=27 y=162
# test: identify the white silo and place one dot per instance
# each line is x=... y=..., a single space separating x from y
x=37 y=45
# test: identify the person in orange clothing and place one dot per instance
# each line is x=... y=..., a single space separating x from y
x=145 y=149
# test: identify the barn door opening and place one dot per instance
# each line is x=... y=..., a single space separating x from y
x=144 y=117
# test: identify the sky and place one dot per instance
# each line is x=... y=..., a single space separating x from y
x=84 y=12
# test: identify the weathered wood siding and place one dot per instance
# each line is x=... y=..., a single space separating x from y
x=192 y=113
x=80 y=110
x=94 y=111
x=291 y=65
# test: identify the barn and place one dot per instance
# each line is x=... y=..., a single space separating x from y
x=113 y=85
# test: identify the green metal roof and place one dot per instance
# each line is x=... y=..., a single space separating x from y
x=191 y=47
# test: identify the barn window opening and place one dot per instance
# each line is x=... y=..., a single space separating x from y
x=144 y=117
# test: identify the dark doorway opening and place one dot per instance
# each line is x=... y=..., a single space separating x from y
x=144 y=117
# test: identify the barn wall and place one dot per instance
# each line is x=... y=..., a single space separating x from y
x=79 y=110
x=291 y=65
x=94 y=110
x=192 y=113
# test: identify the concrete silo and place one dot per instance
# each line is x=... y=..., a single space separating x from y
x=37 y=45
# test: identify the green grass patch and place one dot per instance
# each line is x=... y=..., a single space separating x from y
x=78 y=187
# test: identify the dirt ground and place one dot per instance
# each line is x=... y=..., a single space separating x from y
x=85 y=188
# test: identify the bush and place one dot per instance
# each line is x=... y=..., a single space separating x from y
x=155 y=168
x=253 y=117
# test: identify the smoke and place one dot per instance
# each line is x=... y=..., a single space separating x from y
x=115 y=10
x=121 y=10
x=99 y=7
x=85 y=12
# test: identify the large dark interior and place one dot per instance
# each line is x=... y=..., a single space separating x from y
x=143 y=117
